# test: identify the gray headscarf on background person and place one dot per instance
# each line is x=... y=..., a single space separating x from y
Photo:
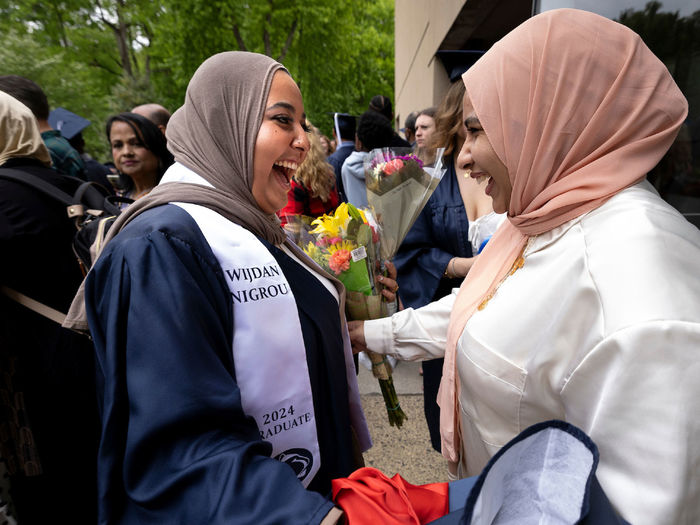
x=214 y=134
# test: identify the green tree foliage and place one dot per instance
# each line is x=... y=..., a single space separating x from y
x=99 y=57
x=67 y=82
x=86 y=54
x=341 y=53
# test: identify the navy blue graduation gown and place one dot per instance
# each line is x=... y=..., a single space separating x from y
x=176 y=446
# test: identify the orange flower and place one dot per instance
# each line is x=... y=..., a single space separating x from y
x=339 y=261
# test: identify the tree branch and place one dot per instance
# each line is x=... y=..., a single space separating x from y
x=61 y=25
x=102 y=17
x=132 y=52
x=123 y=40
x=148 y=68
x=98 y=64
x=266 y=33
x=239 y=38
x=288 y=42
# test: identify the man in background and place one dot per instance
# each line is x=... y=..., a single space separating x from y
x=64 y=157
x=155 y=113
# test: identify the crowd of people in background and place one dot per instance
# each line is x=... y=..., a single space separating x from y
x=201 y=190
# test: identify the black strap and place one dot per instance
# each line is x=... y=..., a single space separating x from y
x=94 y=195
x=39 y=184
x=90 y=194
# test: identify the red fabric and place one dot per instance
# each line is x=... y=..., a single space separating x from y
x=300 y=202
x=369 y=497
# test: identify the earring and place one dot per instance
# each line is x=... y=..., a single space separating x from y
x=467 y=173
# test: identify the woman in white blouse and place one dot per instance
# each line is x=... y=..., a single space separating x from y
x=585 y=304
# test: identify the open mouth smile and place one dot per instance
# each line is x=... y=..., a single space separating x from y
x=286 y=169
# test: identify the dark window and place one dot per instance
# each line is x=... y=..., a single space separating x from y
x=671 y=29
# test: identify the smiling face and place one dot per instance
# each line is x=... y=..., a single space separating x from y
x=281 y=145
x=425 y=125
x=129 y=153
x=478 y=155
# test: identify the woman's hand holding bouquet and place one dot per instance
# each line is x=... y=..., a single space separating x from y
x=347 y=245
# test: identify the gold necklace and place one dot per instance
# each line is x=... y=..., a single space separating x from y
x=517 y=264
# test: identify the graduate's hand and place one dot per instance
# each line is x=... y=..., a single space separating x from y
x=389 y=284
x=357 y=336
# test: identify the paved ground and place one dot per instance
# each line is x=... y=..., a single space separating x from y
x=405 y=450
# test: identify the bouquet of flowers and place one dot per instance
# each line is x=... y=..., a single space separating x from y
x=347 y=245
x=398 y=187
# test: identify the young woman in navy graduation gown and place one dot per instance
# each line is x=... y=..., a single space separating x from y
x=228 y=391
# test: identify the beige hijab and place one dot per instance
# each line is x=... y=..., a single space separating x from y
x=19 y=132
x=214 y=134
x=577 y=108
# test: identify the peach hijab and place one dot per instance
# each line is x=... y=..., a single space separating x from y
x=577 y=108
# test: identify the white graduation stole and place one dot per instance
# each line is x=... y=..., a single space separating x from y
x=268 y=346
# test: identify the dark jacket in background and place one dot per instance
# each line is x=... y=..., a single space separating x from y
x=48 y=420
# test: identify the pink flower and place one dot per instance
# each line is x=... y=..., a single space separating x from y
x=339 y=261
x=328 y=241
x=392 y=166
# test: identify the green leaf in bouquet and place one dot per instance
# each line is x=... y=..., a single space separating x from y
x=354 y=212
x=364 y=235
x=357 y=278
x=353 y=227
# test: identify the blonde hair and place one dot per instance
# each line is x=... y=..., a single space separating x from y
x=448 y=120
x=315 y=174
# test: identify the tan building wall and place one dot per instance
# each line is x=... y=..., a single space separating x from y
x=420 y=26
